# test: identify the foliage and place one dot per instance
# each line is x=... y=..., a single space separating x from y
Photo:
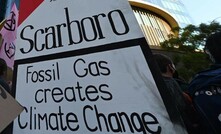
x=191 y=63
x=190 y=41
x=191 y=37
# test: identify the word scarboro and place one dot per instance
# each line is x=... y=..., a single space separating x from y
x=87 y=29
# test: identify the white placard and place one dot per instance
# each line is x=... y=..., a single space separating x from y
x=83 y=70
x=72 y=25
x=86 y=89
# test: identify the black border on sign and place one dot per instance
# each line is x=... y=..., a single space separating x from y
x=165 y=94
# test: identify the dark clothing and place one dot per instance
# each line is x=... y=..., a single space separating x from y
x=7 y=130
x=183 y=85
x=176 y=91
x=205 y=90
x=4 y=85
x=184 y=105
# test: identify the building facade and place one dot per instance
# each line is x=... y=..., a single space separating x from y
x=176 y=8
x=155 y=22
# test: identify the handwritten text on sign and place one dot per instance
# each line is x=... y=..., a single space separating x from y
x=84 y=71
x=87 y=29
x=83 y=100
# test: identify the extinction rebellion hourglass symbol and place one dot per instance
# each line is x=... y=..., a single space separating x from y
x=10 y=25
x=9 y=50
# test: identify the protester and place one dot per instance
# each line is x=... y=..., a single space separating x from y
x=181 y=99
x=3 y=75
x=205 y=88
x=4 y=84
x=182 y=83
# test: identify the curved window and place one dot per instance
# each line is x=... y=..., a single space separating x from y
x=176 y=7
x=155 y=29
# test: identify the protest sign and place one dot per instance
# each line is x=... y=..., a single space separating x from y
x=8 y=33
x=84 y=66
x=9 y=108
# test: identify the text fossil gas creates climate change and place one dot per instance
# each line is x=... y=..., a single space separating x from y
x=63 y=121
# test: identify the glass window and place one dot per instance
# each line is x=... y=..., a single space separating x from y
x=155 y=29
